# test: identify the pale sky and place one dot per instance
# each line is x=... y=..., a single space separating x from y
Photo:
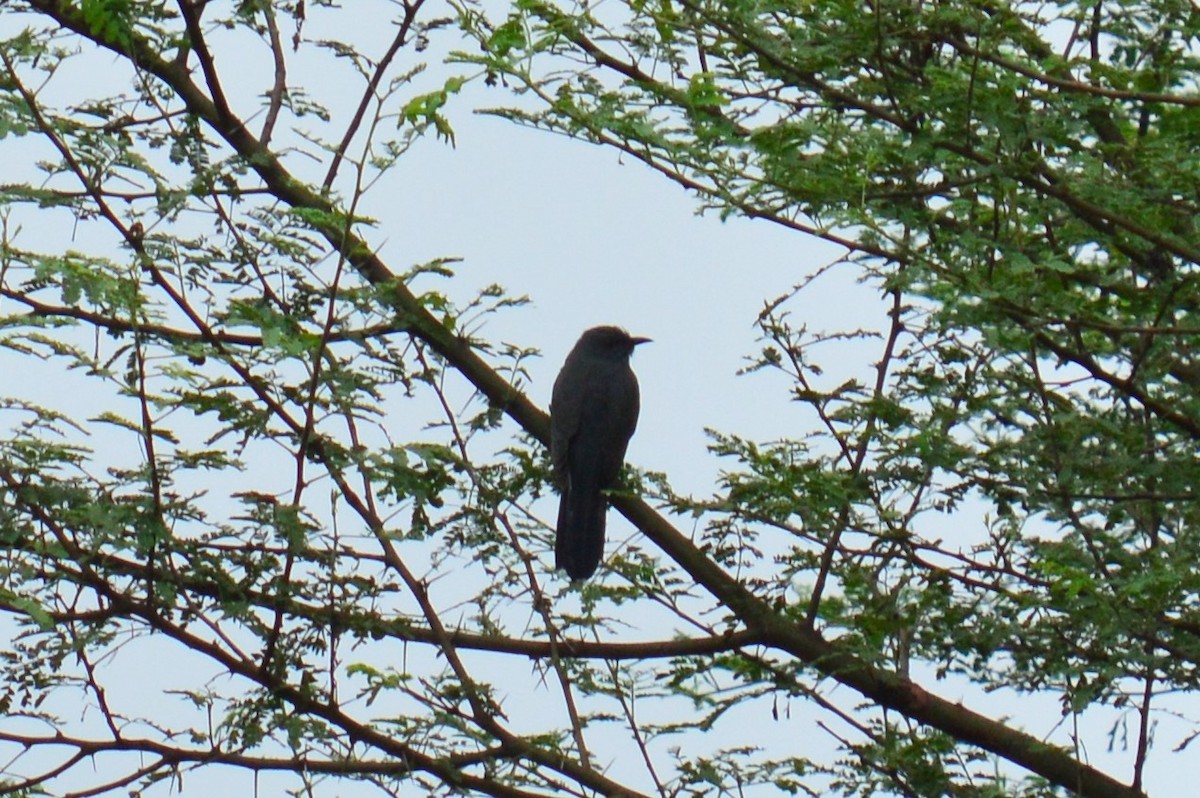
x=594 y=238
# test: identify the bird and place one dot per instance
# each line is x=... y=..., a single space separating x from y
x=593 y=413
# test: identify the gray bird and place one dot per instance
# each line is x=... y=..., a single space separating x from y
x=593 y=413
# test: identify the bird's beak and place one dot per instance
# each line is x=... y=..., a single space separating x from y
x=637 y=341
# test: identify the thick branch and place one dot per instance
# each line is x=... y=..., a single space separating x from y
x=761 y=619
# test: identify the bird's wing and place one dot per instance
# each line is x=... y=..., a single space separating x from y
x=566 y=407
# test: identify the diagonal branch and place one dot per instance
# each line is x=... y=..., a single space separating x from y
x=760 y=618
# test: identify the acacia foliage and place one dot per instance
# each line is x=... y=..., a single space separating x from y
x=274 y=469
x=1020 y=180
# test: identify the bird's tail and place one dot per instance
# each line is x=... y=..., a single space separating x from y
x=579 y=545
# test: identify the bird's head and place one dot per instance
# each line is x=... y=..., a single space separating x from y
x=609 y=342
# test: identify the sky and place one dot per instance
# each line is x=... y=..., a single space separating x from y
x=592 y=237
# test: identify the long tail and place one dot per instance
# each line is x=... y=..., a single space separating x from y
x=579 y=545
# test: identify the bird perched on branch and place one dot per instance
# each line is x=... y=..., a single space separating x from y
x=593 y=413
